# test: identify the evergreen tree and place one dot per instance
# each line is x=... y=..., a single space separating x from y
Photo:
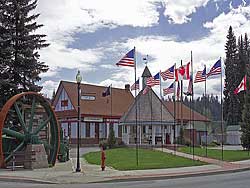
x=111 y=137
x=233 y=76
x=19 y=45
x=245 y=126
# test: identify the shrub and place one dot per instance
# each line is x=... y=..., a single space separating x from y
x=111 y=138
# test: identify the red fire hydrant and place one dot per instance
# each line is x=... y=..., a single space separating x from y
x=103 y=157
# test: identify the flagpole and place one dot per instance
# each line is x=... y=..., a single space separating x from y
x=190 y=119
x=111 y=105
x=206 y=110
x=138 y=112
x=136 y=140
x=192 y=100
x=174 y=110
x=222 y=126
x=181 y=108
x=162 y=132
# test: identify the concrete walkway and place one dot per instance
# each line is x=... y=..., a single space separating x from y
x=65 y=172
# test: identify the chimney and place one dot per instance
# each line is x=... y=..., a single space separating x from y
x=127 y=87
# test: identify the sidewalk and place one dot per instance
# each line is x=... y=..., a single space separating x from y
x=65 y=173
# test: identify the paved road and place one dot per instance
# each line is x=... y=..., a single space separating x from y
x=235 y=180
x=83 y=150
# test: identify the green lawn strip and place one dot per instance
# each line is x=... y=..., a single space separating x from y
x=125 y=159
x=228 y=155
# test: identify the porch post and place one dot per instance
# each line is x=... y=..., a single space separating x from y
x=128 y=133
x=140 y=134
x=107 y=126
x=153 y=135
x=163 y=135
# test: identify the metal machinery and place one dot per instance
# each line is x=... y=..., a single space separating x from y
x=28 y=118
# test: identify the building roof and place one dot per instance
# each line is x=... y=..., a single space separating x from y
x=185 y=111
x=149 y=111
x=101 y=106
x=146 y=73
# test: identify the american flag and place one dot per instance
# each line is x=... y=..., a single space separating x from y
x=169 y=90
x=145 y=90
x=135 y=86
x=152 y=81
x=200 y=76
x=168 y=74
x=128 y=59
x=216 y=69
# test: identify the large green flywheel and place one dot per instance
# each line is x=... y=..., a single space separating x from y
x=28 y=118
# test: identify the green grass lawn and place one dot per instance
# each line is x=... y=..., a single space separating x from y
x=125 y=159
x=228 y=155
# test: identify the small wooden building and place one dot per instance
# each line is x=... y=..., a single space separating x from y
x=98 y=113
x=157 y=121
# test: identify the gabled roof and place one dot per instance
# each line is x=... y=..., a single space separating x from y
x=101 y=106
x=146 y=73
x=149 y=110
x=185 y=111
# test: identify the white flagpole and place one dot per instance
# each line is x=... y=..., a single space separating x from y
x=192 y=100
x=174 y=102
x=136 y=140
x=222 y=126
x=162 y=127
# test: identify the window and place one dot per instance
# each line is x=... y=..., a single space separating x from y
x=64 y=103
x=87 y=130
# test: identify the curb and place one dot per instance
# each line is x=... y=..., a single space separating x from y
x=126 y=178
x=19 y=179
x=166 y=176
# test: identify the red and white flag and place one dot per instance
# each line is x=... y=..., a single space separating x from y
x=182 y=73
x=242 y=86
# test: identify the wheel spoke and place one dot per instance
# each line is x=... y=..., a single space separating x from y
x=13 y=133
x=20 y=117
x=42 y=125
x=20 y=146
x=32 y=114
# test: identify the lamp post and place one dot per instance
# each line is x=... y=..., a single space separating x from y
x=78 y=81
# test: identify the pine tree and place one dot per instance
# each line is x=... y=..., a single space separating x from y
x=111 y=137
x=19 y=57
x=233 y=76
x=245 y=126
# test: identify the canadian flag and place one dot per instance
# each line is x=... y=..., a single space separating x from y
x=182 y=73
x=242 y=86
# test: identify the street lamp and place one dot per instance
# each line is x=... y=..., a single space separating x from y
x=78 y=81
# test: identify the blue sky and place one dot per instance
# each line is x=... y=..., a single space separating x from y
x=92 y=35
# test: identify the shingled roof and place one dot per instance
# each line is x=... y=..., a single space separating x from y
x=185 y=111
x=149 y=110
x=101 y=106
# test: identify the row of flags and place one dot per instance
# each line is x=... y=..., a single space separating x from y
x=178 y=74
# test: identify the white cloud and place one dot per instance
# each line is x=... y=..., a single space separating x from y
x=238 y=18
x=63 y=18
x=48 y=87
x=206 y=51
x=58 y=55
x=178 y=11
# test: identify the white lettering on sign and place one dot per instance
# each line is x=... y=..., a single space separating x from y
x=93 y=119
x=88 y=97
